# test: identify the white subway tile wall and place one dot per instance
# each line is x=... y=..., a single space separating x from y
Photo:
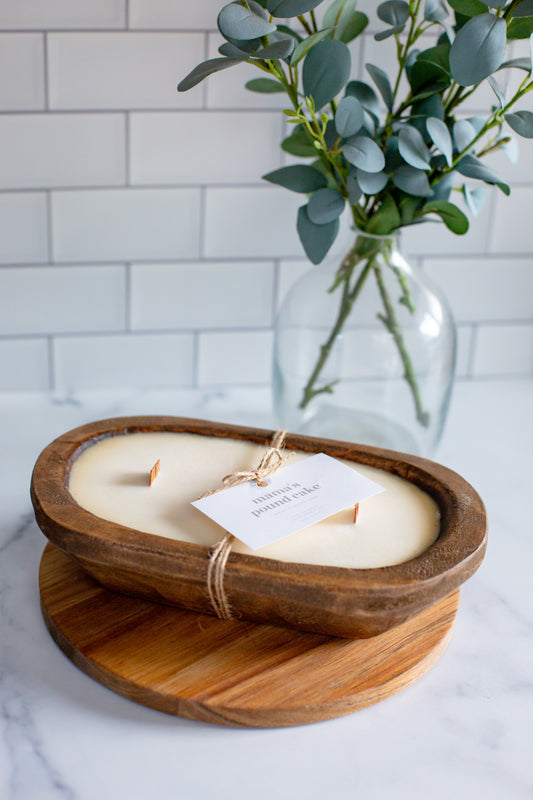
x=126 y=224
x=139 y=246
x=21 y=71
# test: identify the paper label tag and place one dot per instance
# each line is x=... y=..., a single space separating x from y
x=296 y=496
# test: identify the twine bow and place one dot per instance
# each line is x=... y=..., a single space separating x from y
x=272 y=460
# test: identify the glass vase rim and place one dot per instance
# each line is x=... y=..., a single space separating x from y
x=382 y=237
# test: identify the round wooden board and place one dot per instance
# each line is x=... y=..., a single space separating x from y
x=230 y=672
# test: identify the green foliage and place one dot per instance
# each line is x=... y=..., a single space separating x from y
x=237 y=22
x=326 y=71
x=207 y=68
x=325 y=206
x=264 y=86
x=520 y=28
x=390 y=167
x=478 y=49
x=386 y=219
x=453 y=217
x=316 y=239
x=521 y=122
x=349 y=116
x=390 y=155
x=298 y=178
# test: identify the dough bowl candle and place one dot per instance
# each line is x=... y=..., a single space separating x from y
x=412 y=545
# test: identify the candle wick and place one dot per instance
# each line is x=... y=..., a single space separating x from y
x=355 y=512
x=154 y=472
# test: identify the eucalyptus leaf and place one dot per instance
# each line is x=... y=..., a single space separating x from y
x=316 y=239
x=412 y=181
x=232 y=51
x=369 y=124
x=280 y=49
x=453 y=217
x=498 y=91
x=349 y=116
x=474 y=199
x=331 y=136
x=289 y=31
x=393 y=159
x=441 y=138
x=428 y=107
x=472 y=167
x=334 y=13
x=237 y=22
x=412 y=55
x=299 y=143
x=350 y=28
x=517 y=63
x=291 y=8
x=408 y=206
x=381 y=80
x=386 y=34
x=511 y=149
x=469 y=8
x=477 y=122
x=463 y=134
x=298 y=178
x=521 y=122
x=206 y=68
x=386 y=219
x=435 y=10
x=303 y=48
x=325 y=71
x=393 y=12
x=496 y=3
x=353 y=188
x=248 y=46
x=521 y=28
x=264 y=86
x=431 y=68
x=347 y=21
x=478 y=49
x=524 y=9
x=325 y=206
x=413 y=148
x=363 y=152
x=442 y=189
x=371 y=182
x=366 y=96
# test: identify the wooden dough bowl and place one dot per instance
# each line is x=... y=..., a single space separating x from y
x=353 y=603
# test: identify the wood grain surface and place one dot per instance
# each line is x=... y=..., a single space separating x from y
x=334 y=601
x=230 y=672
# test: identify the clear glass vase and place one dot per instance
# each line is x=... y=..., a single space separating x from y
x=364 y=351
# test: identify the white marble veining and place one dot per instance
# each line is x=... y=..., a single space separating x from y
x=463 y=730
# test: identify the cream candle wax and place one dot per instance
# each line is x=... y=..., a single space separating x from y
x=111 y=480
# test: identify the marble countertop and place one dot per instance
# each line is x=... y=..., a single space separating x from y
x=464 y=729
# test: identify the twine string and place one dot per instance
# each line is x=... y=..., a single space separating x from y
x=271 y=461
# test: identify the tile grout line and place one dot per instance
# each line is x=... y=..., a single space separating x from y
x=46 y=73
x=275 y=290
x=202 y=223
x=127 y=298
x=195 y=359
x=49 y=227
x=127 y=148
x=205 y=83
x=472 y=351
x=51 y=364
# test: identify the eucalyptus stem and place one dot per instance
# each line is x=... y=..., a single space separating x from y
x=390 y=321
x=348 y=298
